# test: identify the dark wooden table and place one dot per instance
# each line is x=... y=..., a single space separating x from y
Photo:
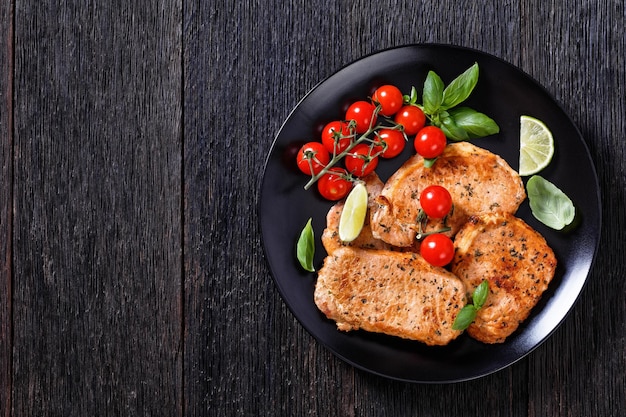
x=132 y=141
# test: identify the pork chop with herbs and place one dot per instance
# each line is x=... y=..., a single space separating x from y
x=365 y=240
x=396 y=293
x=479 y=182
x=516 y=261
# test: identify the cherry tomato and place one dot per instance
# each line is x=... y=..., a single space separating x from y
x=333 y=185
x=437 y=249
x=394 y=140
x=359 y=161
x=312 y=158
x=412 y=118
x=362 y=112
x=436 y=201
x=390 y=99
x=289 y=156
x=430 y=142
x=336 y=136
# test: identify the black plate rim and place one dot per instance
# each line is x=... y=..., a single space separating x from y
x=521 y=73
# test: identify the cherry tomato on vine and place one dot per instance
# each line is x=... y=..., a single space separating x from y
x=360 y=161
x=430 y=142
x=395 y=142
x=437 y=249
x=289 y=155
x=362 y=112
x=337 y=136
x=436 y=201
x=333 y=185
x=312 y=158
x=390 y=99
x=412 y=118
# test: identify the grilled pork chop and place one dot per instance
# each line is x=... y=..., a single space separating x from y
x=330 y=236
x=365 y=240
x=479 y=182
x=397 y=293
x=517 y=262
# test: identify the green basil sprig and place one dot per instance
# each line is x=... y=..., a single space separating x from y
x=549 y=204
x=468 y=313
x=305 y=248
x=440 y=105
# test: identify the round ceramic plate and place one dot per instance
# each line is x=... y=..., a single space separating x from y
x=504 y=93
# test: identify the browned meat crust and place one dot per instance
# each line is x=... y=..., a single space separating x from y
x=517 y=262
x=397 y=293
x=479 y=181
x=365 y=240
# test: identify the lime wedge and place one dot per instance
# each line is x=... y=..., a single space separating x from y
x=353 y=213
x=536 y=146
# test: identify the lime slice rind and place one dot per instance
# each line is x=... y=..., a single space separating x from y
x=353 y=214
x=536 y=146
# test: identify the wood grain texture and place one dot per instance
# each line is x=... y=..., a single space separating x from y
x=582 y=64
x=6 y=199
x=97 y=279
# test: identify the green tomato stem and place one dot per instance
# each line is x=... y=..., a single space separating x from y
x=421 y=235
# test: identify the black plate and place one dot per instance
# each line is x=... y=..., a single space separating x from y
x=504 y=93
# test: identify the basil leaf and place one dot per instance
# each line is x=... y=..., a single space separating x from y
x=468 y=313
x=460 y=88
x=480 y=294
x=452 y=130
x=475 y=124
x=549 y=204
x=433 y=93
x=305 y=249
x=465 y=317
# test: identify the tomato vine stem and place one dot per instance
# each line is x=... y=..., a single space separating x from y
x=363 y=138
x=422 y=218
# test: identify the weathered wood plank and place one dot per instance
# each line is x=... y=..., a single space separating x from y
x=6 y=200
x=576 y=49
x=97 y=236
